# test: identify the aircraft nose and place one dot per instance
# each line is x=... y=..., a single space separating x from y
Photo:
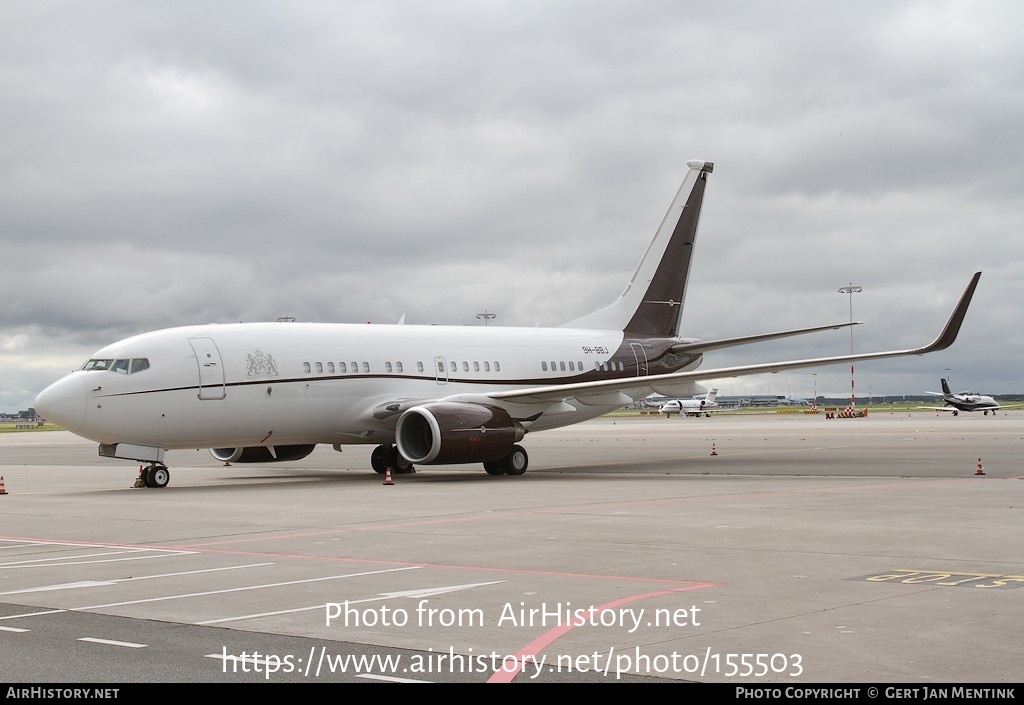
x=63 y=403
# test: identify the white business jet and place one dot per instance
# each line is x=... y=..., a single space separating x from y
x=422 y=395
x=698 y=406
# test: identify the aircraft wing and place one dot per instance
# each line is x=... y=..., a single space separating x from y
x=706 y=345
x=639 y=387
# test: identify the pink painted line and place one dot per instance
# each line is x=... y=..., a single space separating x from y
x=551 y=636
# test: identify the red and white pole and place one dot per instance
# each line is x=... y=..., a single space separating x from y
x=853 y=395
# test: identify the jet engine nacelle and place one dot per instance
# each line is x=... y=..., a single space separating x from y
x=456 y=432
x=261 y=454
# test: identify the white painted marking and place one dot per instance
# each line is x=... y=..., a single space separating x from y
x=78 y=544
x=63 y=586
x=110 y=560
x=52 y=562
x=319 y=606
x=240 y=659
x=428 y=592
x=390 y=679
x=111 y=642
x=104 y=583
x=12 y=629
x=376 y=598
x=264 y=662
x=238 y=589
x=194 y=572
x=31 y=614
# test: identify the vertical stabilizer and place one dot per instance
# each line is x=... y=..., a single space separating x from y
x=945 y=387
x=652 y=302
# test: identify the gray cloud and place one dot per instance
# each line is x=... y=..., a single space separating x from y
x=204 y=162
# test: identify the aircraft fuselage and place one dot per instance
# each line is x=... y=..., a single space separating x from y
x=293 y=383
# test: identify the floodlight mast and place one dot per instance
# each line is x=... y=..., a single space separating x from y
x=851 y=290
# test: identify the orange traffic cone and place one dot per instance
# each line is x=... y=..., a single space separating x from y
x=387 y=477
x=713 y=451
x=3 y=490
x=979 y=471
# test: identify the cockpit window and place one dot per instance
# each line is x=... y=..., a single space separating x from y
x=123 y=366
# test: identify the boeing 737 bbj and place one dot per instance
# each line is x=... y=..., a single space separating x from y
x=261 y=392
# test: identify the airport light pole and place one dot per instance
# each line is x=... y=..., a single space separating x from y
x=486 y=316
x=947 y=378
x=851 y=290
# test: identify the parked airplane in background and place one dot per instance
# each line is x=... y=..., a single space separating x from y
x=964 y=401
x=262 y=392
x=691 y=407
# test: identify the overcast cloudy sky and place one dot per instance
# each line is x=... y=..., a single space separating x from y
x=190 y=162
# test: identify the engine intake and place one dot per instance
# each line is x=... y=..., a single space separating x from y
x=456 y=432
x=262 y=454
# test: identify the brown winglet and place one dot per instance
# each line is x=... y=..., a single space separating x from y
x=949 y=333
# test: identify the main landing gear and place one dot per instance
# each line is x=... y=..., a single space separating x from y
x=156 y=475
x=387 y=456
x=512 y=464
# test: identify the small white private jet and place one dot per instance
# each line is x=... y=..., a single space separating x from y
x=698 y=406
x=419 y=394
x=965 y=401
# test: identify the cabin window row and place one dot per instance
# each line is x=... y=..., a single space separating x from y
x=485 y=366
x=561 y=366
x=574 y=366
x=355 y=367
x=341 y=368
